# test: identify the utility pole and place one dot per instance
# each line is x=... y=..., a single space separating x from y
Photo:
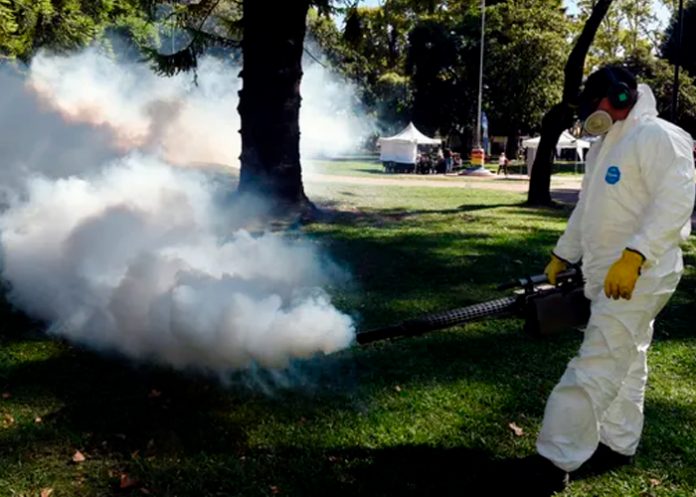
x=478 y=155
x=480 y=81
x=675 y=86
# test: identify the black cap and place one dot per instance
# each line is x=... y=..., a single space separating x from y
x=598 y=85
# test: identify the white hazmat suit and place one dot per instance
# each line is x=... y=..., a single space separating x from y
x=637 y=193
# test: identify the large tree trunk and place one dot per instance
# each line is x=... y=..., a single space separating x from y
x=511 y=144
x=560 y=117
x=269 y=102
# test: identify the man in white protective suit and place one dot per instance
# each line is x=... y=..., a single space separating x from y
x=634 y=211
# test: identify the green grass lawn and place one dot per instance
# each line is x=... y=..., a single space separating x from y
x=418 y=417
x=345 y=167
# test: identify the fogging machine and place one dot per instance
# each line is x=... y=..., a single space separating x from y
x=546 y=309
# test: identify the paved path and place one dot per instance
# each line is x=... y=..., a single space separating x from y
x=563 y=189
x=513 y=183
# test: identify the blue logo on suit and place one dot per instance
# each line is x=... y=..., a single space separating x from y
x=613 y=175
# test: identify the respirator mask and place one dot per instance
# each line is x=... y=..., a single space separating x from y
x=597 y=123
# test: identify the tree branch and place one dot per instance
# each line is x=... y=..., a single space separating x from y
x=576 y=60
x=186 y=59
x=560 y=116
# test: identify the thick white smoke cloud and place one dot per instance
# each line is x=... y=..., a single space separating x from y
x=116 y=248
x=131 y=259
x=174 y=118
x=32 y=140
x=330 y=118
x=186 y=122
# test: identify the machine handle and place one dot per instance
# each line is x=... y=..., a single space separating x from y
x=538 y=279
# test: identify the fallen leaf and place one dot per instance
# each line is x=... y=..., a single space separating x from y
x=516 y=429
x=654 y=482
x=126 y=481
x=6 y=395
x=46 y=492
x=78 y=457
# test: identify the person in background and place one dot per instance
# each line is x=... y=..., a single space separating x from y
x=503 y=164
x=448 y=160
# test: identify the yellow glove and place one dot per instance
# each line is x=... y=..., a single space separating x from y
x=554 y=267
x=623 y=274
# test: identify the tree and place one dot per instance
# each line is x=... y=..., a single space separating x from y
x=370 y=52
x=387 y=51
x=560 y=116
x=272 y=36
x=431 y=63
x=635 y=46
x=526 y=42
x=415 y=61
x=269 y=102
x=640 y=19
x=670 y=49
x=626 y=30
x=64 y=25
x=659 y=75
x=8 y=28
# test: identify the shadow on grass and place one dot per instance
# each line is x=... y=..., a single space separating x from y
x=122 y=410
x=416 y=470
x=568 y=196
x=669 y=437
x=333 y=212
x=14 y=324
x=433 y=270
x=119 y=406
x=396 y=471
x=375 y=171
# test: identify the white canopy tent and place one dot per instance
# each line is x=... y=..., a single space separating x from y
x=566 y=141
x=403 y=147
